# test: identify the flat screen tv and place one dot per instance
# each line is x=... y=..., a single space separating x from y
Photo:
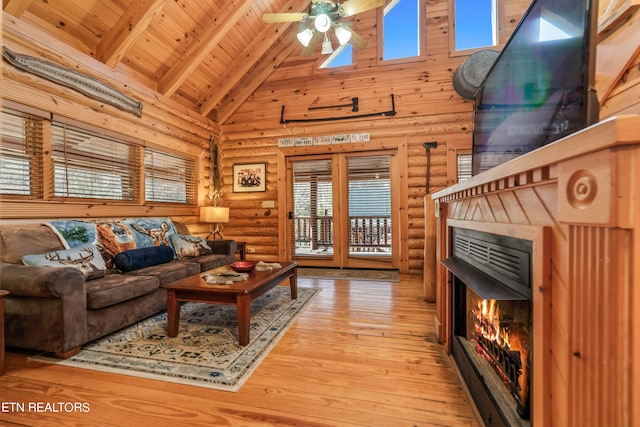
x=540 y=88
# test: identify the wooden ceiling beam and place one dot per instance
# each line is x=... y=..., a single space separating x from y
x=246 y=61
x=134 y=22
x=261 y=71
x=16 y=7
x=197 y=52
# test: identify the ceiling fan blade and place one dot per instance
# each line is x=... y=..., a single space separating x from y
x=356 y=41
x=274 y=18
x=308 y=51
x=352 y=7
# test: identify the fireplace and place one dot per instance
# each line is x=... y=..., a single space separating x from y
x=491 y=322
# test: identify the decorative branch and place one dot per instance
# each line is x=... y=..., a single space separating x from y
x=215 y=186
x=82 y=83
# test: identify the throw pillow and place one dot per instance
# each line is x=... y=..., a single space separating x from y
x=136 y=259
x=85 y=258
x=189 y=246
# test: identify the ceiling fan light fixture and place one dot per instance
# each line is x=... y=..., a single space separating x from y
x=322 y=22
x=342 y=34
x=326 y=45
x=304 y=37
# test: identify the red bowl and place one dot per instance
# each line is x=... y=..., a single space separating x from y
x=243 y=266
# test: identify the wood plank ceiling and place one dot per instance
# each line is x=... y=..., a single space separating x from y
x=208 y=55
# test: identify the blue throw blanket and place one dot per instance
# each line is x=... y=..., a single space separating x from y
x=112 y=236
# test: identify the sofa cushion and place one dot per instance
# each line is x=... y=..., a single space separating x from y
x=85 y=258
x=116 y=288
x=136 y=259
x=17 y=241
x=187 y=246
x=169 y=272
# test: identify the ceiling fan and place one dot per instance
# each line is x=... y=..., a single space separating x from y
x=324 y=15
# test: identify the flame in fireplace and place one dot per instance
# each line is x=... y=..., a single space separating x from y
x=508 y=335
x=488 y=324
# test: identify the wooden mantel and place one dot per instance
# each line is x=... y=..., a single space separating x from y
x=578 y=200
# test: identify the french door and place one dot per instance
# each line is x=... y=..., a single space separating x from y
x=342 y=210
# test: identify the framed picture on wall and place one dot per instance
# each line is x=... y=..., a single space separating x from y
x=249 y=177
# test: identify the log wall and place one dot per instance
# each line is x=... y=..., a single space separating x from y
x=428 y=109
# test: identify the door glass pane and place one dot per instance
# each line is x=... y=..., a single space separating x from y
x=312 y=217
x=369 y=186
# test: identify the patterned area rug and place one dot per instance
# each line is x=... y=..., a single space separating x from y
x=349 y=274
x=205 y=353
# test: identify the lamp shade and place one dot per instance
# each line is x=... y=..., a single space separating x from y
x=214 y=214
x=326 y=46
x=342 y=34
x=304 y=37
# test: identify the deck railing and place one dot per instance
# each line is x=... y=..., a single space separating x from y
x=366 y=233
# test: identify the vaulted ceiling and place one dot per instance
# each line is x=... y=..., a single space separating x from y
x=208 y=55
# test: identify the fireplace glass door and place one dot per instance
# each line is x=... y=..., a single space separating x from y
x=492 y=342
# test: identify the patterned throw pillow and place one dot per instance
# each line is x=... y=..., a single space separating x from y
x=85 y=258
x=189 y=246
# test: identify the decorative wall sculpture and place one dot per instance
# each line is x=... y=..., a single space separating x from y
x=82 y=83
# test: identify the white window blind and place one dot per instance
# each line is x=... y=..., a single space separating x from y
x=169 y=177
x=464 y=167
x=21 y=154
x=92 y=166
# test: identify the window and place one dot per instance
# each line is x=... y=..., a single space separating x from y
x=168 y=177
x=92 y=166
x=475 y=24
x=41 y=158
x=21 y=154
x=401 y=29
x=341 y=57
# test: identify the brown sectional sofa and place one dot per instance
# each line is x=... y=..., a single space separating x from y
x=57 y=310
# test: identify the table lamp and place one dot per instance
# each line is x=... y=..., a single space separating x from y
x=214 y=215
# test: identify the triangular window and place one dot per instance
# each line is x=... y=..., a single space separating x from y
x=341 y=57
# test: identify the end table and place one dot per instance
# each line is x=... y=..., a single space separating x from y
x=241 y=248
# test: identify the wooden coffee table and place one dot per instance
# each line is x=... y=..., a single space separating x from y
x=240 y=294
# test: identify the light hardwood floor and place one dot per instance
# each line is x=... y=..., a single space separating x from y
x=362 y=354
